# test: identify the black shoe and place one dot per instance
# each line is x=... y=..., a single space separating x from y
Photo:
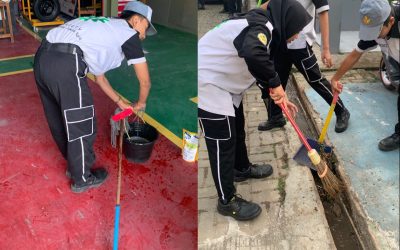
x=223 y=11
x=201 y=7
x=239 y=209
x=390 y=143
x=342 y=121
x=273 y=123
x=255 y=171
x=95 y=179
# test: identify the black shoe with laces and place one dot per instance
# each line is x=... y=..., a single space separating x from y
x=390 y=143
x=342 y=121
x=239 y=208
x=95 y=179
x=273 y=123
x=254 y=171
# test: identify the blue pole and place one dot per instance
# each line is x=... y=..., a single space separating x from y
x=116 y=227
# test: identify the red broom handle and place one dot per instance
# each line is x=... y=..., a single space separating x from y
x=122 y=114
x=299 y=133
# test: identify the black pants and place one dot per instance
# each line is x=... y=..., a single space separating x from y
x=60 y=75
x=397 y=127
x=234 y=6
x=306 y=63
x=225 y=139
x=225 y=2
x=393 y=71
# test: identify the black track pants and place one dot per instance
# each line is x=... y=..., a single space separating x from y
x=306 y=63
x=68 y=105
x=225 y=139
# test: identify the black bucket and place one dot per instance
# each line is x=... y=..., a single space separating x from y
x=139 y=146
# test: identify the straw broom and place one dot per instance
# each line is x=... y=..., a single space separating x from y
x=331 y=184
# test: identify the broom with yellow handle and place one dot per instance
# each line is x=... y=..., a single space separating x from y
x=330 y=182
x=328 y=118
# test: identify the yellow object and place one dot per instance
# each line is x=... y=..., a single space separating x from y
x=27 y=12
x=314 y=156
x=263 y=38
x=366 y=20
x=328 y=120
x=190 y=149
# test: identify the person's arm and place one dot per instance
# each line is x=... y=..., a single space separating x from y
x=134 y=55
x=102 y=81
x=345 y=66
x=254 y=49
x=350 y=60
x=322 y=8
x=324 y=26
x=142 y=73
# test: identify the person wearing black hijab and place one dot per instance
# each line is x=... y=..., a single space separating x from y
x=300 y=54
x=231 y=58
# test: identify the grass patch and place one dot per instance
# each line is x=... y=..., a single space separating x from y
x=281 y=189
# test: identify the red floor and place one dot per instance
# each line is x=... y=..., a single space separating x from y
x=24 y=44
x=37 y=209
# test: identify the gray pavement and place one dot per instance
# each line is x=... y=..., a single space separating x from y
x=292 y=216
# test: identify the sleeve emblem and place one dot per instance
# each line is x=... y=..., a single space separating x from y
x=263 y=38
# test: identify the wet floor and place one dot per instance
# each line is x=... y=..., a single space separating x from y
x=158 y=198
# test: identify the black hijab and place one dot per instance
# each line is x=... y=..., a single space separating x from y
x=288 y=18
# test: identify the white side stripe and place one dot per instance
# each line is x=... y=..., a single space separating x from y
x=219 y=174
x=83 y=161
x=80 y=105
x=79 y=82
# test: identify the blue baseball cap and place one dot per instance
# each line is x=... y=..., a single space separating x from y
x=373 y=14
x=143 y=10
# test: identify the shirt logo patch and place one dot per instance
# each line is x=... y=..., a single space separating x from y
x=263 y=38
x=95 y=19
x=366 y=20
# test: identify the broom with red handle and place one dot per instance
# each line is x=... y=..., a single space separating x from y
x=330 y=182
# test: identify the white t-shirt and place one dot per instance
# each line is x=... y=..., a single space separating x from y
x=105 y=42
x=388 y=46
x=308 y=35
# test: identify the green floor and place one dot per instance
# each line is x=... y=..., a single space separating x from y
x=16 y=64
x=172 y=60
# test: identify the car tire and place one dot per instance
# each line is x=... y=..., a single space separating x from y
x=46 y=10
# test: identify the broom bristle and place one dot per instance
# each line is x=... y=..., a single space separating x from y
x=331 y=184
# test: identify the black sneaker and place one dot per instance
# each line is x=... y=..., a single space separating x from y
x=390 y=143
x=255 y=171
x=342 y=121
x=273 y=123
x=239 y=209
x=95 y=179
